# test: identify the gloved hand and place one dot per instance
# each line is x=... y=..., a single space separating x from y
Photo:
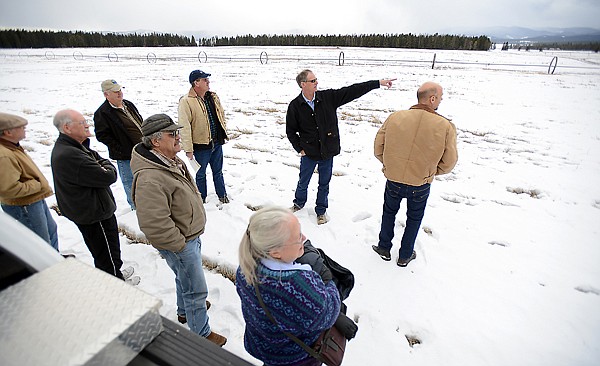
x=346 y=326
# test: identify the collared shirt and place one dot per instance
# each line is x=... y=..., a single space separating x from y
x=132 y=125
x=170 y=162
x=310 y=102
x=282 y=266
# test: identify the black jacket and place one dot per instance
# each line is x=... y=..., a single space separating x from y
x=82 y=180
x=111 y=132
x=316 y=132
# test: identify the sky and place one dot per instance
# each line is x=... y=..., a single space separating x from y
x=237 y=17
x=507 y=256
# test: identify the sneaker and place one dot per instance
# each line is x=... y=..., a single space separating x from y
x=383 y=253
x=217 y=339
x=404 y=262
x=322 y=219
x=182 y=319
x=127 y=272
x=224 y=199
x=133 y=281
x=295 y=208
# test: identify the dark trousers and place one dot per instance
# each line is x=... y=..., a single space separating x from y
x=307 y=167
x=416 y=200
x=102 y=239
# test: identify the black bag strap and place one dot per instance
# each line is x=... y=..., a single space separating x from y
x=308 y=349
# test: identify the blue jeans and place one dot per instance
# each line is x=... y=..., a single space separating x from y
x=416 y=200
x=127 y=179
x=307 y=167
x=214 y=157
x=190 y=285
x=37 y=218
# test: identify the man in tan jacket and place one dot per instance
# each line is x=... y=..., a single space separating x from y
x=23 y=187
x=414 y=146
x=204 y=132
x=171 y=215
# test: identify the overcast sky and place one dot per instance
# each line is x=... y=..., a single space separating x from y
x=236 y=17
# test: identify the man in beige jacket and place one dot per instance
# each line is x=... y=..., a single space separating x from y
x=171 y=215
x=204 y=132
x=23 y=187
x=414 y=146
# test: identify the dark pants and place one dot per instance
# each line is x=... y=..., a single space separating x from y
x=102 y=239
x=307 y=167
x=214 y=158
x=416 y=200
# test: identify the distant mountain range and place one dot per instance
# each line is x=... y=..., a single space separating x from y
x=547 y=35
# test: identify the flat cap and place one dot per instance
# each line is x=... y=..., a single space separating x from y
x=9 y=121
x=158 y=122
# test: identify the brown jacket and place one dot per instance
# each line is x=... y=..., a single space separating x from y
x=192 y=115
x=168 y=205
x=21 y=181
x=416 y=145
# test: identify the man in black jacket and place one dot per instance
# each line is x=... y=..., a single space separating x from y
x=117 y=124
x=82 y=180
x=312 y=128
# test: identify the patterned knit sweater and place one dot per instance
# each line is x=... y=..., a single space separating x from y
x=300 y=302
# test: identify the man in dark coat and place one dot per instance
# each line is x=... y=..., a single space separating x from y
x=82 y=180
x=312 y=128
x=117 y=125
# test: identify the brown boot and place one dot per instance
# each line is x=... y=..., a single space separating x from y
x=217 y=339
x=182 y=319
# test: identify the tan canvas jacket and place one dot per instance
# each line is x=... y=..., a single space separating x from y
x=168 y=205
x=21 y=181
x=193 y=117
x=416 y=145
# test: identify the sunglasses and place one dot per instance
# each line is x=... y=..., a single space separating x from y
x=311 y=81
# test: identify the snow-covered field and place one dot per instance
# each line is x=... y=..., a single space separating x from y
x=507 y=268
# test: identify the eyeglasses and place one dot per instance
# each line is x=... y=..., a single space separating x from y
x=172 y=133
x=311 y=81
x=83 y=123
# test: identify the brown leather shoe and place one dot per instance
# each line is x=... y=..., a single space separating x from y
x=182 y=319
x=217 y=339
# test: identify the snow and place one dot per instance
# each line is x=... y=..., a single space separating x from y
x=507 y=257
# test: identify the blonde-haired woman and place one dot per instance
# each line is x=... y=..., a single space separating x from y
x=296 y=296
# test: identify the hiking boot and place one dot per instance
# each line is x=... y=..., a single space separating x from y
x=404 y=262
x=127 y=272
x=182 y=318
x=295 y=208
x=217 y=339
x=133 y=281
x=322 y=219
x=383 y=253
x=224 y=199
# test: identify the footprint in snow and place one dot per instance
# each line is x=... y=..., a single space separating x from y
x=361 y=216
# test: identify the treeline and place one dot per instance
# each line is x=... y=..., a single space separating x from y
x=435 y=41
x=566 y=46
x=19 y=38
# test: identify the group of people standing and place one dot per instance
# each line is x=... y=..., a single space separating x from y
x=414 y=146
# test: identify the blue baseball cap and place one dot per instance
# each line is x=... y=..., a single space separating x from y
x=197 y=74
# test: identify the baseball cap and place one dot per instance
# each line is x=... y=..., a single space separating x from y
x=110 y=85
